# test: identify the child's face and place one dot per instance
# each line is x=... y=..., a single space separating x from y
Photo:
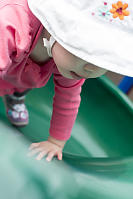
x=73 y=67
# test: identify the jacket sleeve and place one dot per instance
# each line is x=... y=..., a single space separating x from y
x=14 y=35
x=65 y=106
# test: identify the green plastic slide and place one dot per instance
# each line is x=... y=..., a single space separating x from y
x=97 y=160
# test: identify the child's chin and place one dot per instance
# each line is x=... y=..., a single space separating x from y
x=66 y=76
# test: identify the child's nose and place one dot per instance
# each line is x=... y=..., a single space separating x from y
x=88 y=68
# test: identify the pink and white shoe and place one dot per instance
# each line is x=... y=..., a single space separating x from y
x=16 y=110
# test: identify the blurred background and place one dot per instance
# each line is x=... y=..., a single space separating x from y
x=117 y=79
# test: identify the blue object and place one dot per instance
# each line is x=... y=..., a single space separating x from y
x=126 y=84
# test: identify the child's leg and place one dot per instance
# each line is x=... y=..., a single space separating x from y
x=16 y=110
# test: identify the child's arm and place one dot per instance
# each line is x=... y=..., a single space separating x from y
x=65 y=108
x=65 y=105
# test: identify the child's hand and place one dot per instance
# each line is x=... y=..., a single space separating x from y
x=49 y=148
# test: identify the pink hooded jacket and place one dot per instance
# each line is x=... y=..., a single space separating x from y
x=19 y=33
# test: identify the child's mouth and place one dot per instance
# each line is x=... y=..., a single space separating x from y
x=76 y=76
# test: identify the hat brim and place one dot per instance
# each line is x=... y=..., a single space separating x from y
x=95 y=40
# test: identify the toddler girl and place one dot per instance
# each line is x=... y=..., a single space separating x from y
x=63 y=38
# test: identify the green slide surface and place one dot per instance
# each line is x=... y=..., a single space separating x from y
x=97 y=160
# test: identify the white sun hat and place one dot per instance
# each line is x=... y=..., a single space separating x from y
x=99 y=32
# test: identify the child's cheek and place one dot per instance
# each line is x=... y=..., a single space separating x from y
x=62 y=57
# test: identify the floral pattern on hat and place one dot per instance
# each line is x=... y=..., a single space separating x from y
x=119 y=10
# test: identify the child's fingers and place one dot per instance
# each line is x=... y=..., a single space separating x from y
x=41 y=155
x=60 y=156
x=34 y=151
x=50 y=156
x=33 y=145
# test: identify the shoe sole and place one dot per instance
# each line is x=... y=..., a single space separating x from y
x=19 y=124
